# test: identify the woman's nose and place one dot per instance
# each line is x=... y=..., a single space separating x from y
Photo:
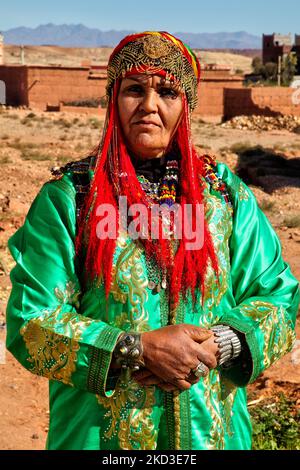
x=149 y=103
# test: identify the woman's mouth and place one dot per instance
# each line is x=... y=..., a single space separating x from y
x=146 y=124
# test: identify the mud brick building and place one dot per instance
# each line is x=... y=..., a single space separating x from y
x=43 y=87
x=278 y=45
x=275 y=46
x=221 y=94
x=37 y=86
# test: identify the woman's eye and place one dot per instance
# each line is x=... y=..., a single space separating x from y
x=168 y=92
x=135 y=89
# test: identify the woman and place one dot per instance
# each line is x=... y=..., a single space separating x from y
x=149 y=341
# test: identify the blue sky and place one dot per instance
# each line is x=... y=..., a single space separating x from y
x=253 y=16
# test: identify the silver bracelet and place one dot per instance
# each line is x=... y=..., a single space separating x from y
x=129 y=351
x=229 y=344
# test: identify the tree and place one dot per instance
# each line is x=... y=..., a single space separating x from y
x=289 y=68
x=257 y=65
x=270 y=71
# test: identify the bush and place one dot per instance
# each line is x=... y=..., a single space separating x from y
x=276 y=425
x=289 y=68
x=292 y=221
x=63 y=123
x=89 y=102
x=266 y=205
x=270 y=71
x=94 y=123
x=257 y=65
x=240 y=147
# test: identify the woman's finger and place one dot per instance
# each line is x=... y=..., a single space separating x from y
x=208 y=358
x=166 y=387
x=150 y=380
x=181 y=384
x=142 y=374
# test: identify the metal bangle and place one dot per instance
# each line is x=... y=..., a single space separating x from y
x=129 y=351
x=229 y=344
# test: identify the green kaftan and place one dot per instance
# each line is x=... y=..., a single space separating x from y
x=59 y=332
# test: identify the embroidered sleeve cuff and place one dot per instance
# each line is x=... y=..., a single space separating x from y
x=245 y=368
x=98 y=380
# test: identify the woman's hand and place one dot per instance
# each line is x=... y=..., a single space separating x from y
x=171 y=352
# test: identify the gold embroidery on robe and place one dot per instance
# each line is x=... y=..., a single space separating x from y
x=242 y=193
x=219 y=397
x=129 y=409
x=54 y=355
x=212 y=400
x=219 y=218
x=278 y=330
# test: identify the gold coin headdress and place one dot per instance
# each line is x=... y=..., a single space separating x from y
x=154 y=53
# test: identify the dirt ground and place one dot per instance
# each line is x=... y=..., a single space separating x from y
x=31 y=143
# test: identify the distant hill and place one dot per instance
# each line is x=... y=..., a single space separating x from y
x=76 y=56
x=82 y=36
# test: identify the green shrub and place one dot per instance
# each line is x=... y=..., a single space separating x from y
x=292 y=221
x=94 y=123
x=89 y=102
x=240 y=147
x=35 y=156
x=22 y=146
x=276 y=425
x=12 y=116
x=266 y=205
x=5 y=160
x=63 y=123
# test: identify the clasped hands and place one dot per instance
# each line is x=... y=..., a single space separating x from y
x=172 y=352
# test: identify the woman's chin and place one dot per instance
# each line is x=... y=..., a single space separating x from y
x=147 y=153
x=147 y=150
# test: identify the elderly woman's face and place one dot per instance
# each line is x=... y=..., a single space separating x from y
x=149 y=110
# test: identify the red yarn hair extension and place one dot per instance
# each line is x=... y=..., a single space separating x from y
x=190 y=265
x=115 y=176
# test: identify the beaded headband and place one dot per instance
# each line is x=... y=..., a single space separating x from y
x=152 y=53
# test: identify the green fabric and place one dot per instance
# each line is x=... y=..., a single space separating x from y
x=59 y=332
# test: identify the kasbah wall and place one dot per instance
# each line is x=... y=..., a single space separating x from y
x=266 y=101
x=221 y=95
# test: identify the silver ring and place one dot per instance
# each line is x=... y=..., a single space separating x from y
x=201 y=370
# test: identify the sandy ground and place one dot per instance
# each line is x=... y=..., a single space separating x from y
x=30 y=144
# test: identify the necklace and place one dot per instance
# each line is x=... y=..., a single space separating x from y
x=150 y=188
x=162 y=192
x=165 y=190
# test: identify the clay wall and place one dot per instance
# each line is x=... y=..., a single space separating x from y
x=267 y=101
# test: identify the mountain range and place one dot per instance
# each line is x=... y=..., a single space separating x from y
x=81 y=36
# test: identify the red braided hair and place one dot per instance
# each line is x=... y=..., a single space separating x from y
x=187 y=269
